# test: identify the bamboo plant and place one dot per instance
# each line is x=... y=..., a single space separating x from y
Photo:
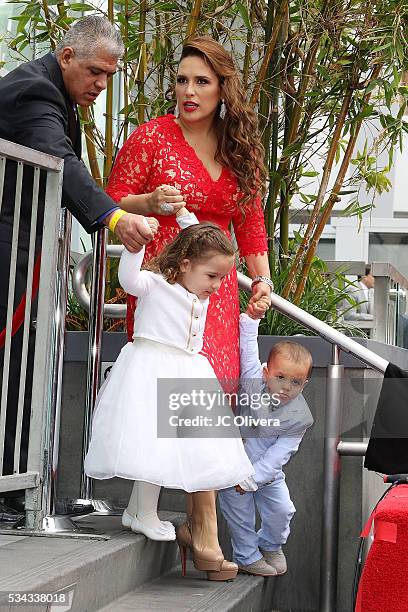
x=320 y=73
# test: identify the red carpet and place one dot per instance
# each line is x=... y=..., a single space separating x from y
x=384 y=581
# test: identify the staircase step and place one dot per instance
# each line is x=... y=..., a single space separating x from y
x=193 y=593
x=95 y=572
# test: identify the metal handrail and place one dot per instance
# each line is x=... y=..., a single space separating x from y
x=19 y=153
x=379 y=268
x=280 y=304
x=46 y=391
x=321 y=329
x=115 y=311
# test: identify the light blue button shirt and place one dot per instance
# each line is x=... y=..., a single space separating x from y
x=268 y=447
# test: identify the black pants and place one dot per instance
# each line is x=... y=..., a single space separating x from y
x=15 y=360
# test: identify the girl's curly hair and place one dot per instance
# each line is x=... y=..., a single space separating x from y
x=196 y=242
x=239 y=143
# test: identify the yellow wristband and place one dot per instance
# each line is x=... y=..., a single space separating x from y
x=118 y=214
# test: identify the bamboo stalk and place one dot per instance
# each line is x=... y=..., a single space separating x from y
x=285 y=194
x=248 y=51
x=265 y=93
x=275 y=85
x=125 y=72
x=48 y=21
x=169 y=47
x=326 y=214
x=269 y=51
x=108 y=116
x=88 y=127
x=307 y=73
x=162 y=67
x=142 y=61
x=194 y=17
x=342 y=116
x=333 y=196
x=62 y=12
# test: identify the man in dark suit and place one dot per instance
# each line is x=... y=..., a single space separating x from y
x=38 y=109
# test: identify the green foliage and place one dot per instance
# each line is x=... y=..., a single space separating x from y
x=77 y=317
x=325 y=297
x=335 y=68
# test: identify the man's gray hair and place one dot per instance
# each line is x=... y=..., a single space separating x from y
x=91 y=34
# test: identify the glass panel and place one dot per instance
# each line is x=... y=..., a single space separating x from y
x=326 y=249
x=390 y=248
x=402 y=319
x=7 y=31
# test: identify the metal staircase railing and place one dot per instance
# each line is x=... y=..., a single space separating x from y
x=38 y=187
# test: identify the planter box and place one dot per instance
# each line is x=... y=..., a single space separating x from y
x=76 y=345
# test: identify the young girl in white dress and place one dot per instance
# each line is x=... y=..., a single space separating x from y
x=168 y=332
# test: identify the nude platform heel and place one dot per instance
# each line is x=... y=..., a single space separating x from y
x=217 y=567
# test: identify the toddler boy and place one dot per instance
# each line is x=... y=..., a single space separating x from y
x=280 y=384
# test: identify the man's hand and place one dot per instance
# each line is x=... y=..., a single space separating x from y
x=165 y=194
x=133 y=231
x=239 y=490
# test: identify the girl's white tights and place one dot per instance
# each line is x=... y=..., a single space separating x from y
x=143 y=504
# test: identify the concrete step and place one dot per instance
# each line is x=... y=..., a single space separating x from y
x=94 y=572
x=194 y=593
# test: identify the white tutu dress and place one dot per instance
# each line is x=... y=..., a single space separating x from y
x=169 y=327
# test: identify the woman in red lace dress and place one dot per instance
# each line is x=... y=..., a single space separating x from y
x=210 y=151
x=180 y=152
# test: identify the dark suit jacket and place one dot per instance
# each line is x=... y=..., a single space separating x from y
x=35 y=111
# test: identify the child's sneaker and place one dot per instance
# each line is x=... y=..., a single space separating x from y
x=259 y=568
x=277 y=560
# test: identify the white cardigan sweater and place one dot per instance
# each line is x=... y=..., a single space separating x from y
x=165 y=313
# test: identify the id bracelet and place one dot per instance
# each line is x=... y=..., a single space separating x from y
x=118 y=214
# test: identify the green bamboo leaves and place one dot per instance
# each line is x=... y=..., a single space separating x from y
x=320 y=73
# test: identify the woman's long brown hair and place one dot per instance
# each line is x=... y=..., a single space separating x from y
x=239 y=144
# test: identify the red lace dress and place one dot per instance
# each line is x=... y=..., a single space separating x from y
x=157 y=153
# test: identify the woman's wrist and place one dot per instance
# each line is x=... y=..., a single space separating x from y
x=265 y=280
x=150 y=203
x=138 y=204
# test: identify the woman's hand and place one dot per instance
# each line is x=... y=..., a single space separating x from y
x=260 y=290
x=165 y=200
x=257 y=309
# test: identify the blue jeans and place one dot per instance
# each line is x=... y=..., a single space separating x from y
x=276 y=510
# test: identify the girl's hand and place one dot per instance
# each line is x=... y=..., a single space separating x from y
x=182 y=212
x=165 y=200
x=153 y=225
